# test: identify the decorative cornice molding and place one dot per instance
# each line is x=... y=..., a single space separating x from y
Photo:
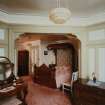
x=44 y=21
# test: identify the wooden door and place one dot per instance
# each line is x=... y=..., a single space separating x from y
x=23 y=63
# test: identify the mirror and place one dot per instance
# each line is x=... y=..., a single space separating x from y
x=6 y=71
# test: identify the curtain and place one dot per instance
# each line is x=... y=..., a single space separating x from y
x=64 y=57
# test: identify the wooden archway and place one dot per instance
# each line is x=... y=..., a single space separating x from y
x=69 y=40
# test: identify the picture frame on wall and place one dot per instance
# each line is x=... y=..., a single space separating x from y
x=45 y=52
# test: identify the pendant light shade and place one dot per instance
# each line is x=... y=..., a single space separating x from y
x=59 y=15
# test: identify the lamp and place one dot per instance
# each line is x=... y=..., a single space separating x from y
x=59 y=15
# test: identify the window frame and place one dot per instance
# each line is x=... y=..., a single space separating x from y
x=5 y=49
x=5 y=40
x=95 y=42
x=4 y=43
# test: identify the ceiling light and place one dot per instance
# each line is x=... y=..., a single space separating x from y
x=59 y=15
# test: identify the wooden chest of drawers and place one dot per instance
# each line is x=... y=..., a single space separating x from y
x=88 y=95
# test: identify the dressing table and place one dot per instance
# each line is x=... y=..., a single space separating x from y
x=87 y=93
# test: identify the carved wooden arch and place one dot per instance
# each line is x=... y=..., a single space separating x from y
x=70 y=41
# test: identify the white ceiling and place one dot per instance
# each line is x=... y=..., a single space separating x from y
x=79 y=8
x=83 y=11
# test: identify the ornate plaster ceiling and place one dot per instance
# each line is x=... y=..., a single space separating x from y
x=84 y=12
x=79 y=8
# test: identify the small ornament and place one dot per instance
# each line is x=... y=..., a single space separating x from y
x=94 y=77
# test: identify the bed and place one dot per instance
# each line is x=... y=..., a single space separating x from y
x=42 y=90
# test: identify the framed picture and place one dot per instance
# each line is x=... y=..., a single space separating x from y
x=45 y=52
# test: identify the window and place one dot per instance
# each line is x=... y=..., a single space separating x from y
x=96 y=35
x=101 y=63
x=2 y=51
x=96 y=62
x=91 y=62
x=96 y=54
x=3 y=42
x=2 y=34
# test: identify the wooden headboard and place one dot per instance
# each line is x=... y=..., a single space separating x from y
x=44 y=75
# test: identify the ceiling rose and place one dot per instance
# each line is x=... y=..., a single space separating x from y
x=59 y=15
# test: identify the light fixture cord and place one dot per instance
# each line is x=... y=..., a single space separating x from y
x=58 y=3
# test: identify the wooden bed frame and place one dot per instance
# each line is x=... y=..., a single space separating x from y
x=45 y=75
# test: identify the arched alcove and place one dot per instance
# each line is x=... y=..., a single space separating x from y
x=55 y=42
